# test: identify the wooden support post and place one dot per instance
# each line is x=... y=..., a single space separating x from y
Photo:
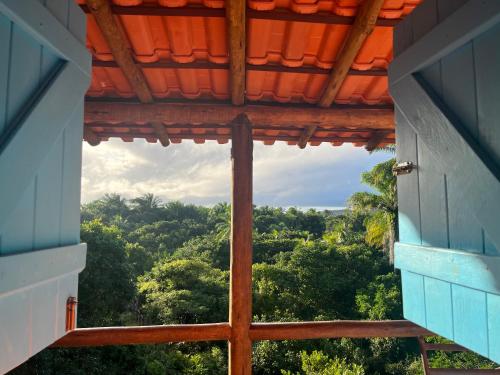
x=236 y=37
x=364 y=23
x=240 y=303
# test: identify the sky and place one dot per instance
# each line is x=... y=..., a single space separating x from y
x=321 y=176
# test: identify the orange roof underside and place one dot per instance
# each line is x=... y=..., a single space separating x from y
x=270 y=44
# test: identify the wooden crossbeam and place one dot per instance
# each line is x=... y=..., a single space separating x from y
x=240 y=294
x=201 y=113
x=249 y=67
x=106 y=336
x=364 y=23
x=134 y=335
x=236 y=37
x=326 y=18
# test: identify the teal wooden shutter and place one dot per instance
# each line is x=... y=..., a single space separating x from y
x=44 y=73
x=445 y=82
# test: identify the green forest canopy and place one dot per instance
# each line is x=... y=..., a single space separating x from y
x=151 y=262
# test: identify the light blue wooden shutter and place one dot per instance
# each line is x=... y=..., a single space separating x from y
x=44 y=73
x=445 y=81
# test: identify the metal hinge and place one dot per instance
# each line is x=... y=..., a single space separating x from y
x=404 y=167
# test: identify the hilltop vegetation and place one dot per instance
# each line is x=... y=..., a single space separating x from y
x=151 y=262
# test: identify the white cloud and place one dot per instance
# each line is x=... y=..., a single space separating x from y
x=283 y=175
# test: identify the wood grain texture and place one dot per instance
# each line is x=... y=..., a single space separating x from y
x=336 y=329
x=448 y=141
x=476 y=271
x=364 y=23
x=173 y=113
x=236 y=37
x=39 y=22
x=240 y=295
x=465 y=24
x=117 y=43
x=41 y=154
x=134 y=335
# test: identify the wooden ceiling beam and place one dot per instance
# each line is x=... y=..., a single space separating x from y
x=236 y=37
x=248 y=67
x=364 y=23
x=326 y=18
x=161 y=132
x=197 y=113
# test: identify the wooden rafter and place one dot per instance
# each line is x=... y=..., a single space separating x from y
x=364 y=23
x=116 y=40
x=200 y=113
x=236 y=37
x=113 y=34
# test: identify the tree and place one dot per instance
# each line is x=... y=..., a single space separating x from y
x=382 y=207
x=318 y=363
x=105 y=285
x=185 y=291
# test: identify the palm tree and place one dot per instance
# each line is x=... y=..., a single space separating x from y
x=382 y=207
x=146 y=207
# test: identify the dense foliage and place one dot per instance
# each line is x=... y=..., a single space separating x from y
x=155 y=263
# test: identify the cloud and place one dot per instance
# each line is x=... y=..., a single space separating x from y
x=283 y=175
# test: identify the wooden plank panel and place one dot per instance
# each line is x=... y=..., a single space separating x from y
x=487 y=60
x=459 y=93
x=71 y=183
x=464 y=25
x=43 y=315
x=460 y=267
x=413 y=297
x=5 y=42
x=41 y=25
x=24 y=72
x=449 y=144
x=14 y=320
x=493 y=308
x=17 y=233
x=29 y=144
x=39 y=266
x=48 y=198
x=438 y=305
x=469 y=319
x=408 y=185
x=424 y=18
x=447 y=7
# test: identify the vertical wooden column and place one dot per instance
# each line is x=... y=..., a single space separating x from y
x=240 y=301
